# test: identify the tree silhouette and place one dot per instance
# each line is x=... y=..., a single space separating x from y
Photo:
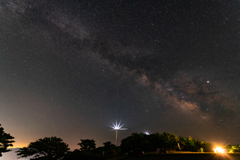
x=169 y=141
x=47 y=148
x=135 y=141
x=108 y=145
x=6 y=141
x=110 y=149
x=87 y=145
x=190 y=144
x=165 y=142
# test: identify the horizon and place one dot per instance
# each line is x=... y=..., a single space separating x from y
x=12 y=154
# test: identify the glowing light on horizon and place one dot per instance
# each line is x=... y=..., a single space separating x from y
x=146 y=132
x=219 y=150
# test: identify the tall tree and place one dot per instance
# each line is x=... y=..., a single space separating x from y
x=48 y=148
x=6 y=141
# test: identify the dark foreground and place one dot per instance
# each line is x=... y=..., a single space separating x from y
x=210 y=156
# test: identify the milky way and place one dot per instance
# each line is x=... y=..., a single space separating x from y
x=71 y=68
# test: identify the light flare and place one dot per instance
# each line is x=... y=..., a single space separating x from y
x=219 y=150
x=146 y=132
x=117 y=126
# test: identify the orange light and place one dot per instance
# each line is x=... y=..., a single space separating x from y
x=219 y=150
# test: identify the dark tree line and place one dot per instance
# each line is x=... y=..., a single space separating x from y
x=163 y=142
x=48 y=148
x=53 y=148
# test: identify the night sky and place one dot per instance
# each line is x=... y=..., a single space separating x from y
x=69 y=68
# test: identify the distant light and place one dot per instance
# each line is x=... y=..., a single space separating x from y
x=118 y=126
x=219 y=150
x=146 y=132
x=208 y=81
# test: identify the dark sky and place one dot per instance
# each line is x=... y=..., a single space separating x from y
x=70 y=68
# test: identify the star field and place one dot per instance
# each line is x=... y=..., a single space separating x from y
x=71 y=68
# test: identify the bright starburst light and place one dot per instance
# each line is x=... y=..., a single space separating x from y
x=116 y=127
x=219 y=150
x=146 y=132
